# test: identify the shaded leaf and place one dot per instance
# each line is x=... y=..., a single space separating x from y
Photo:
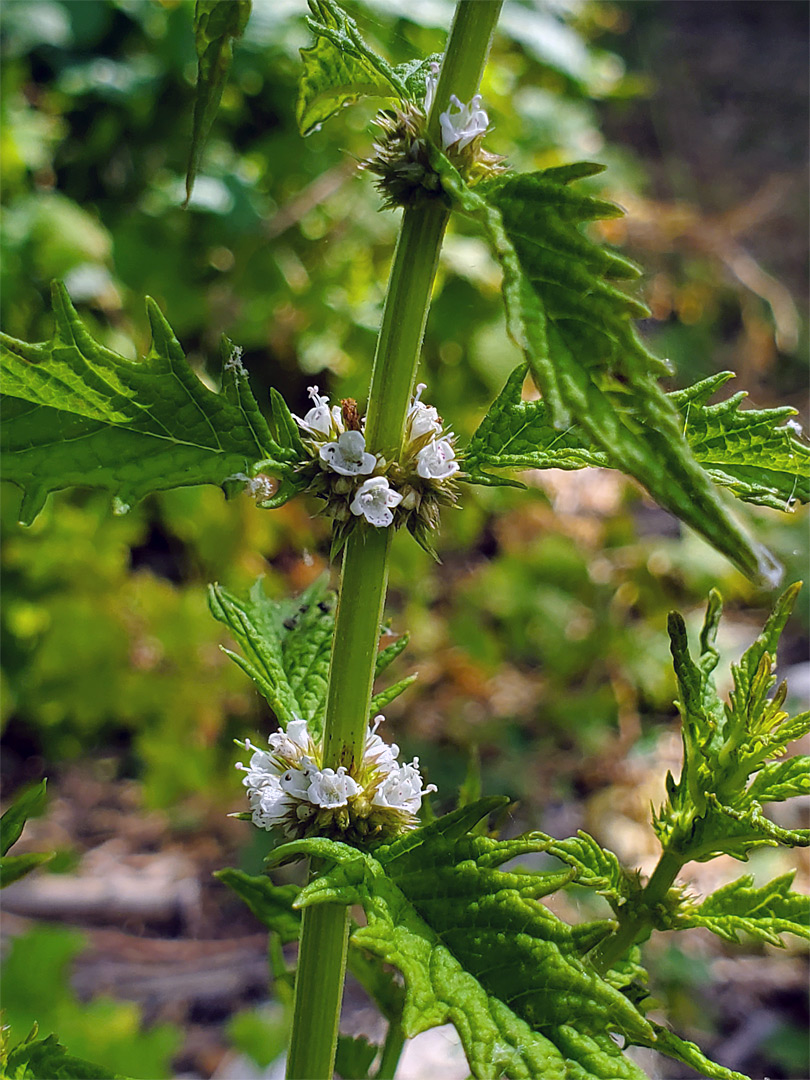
x=78 y=414
x=354 y=1057
x=271 y=904
x=745 y=451
x=287 y=646
x=576 y=330
x=216 y=25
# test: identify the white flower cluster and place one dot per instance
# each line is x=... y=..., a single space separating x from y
x=288 y=789
x=458 y=129
x=363 y=479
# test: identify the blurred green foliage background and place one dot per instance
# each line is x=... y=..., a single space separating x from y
x=540 y=639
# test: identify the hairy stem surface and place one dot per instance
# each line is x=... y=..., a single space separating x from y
x=322 y=955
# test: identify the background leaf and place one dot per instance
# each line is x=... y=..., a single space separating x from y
x=216 y=25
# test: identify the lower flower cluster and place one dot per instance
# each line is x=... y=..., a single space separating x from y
x=359 y=486
x=288 y=789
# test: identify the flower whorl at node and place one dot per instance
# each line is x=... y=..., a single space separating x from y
x=359 y=487
x=401 y=158
x=288 y=790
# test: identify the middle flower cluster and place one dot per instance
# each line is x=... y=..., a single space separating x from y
x=358 y=485
x=288 y=789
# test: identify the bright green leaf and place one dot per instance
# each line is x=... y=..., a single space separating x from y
x=340 y=67
x=478 y=950
x=14 y=867
x=77 y=414
x=666 y=1042
x=596 y=867
x=216 y=25
x=763 y=913
x=713 y=808
x=47 y=1059
x=30 y=803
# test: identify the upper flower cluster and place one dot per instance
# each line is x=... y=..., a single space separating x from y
x=402 y=158
x=288 y=789
x=359 y=484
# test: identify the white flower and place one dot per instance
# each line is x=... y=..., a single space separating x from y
x=348 y=455
x=467 y=124
x=373 y=499
x=381 y=755
x=402 y=789
x=431 y=82
x=436 y=461
x=332 y=789
x=421 y=419
x=320 y=420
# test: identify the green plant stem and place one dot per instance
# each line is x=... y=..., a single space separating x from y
x=638 y=925
x=392 y=1051
x=322 y=953
x=318 y=992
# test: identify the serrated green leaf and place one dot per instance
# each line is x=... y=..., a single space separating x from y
x=216 y=26
x=477 y=950
x=666 y=1042
x=287 y=646
x=271 y=904
x=76 y=413
x=47 y=1059
x=763 y=913
x=14 y=867
x=354 y=1057
x=30 y=803
x=745 y=451
x=340 y=67
x=595 y=866
x=780 y=780
x=576 y=331
x=386 y=656
x=712 y=808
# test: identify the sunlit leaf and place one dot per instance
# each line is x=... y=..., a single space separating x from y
x=78 y=414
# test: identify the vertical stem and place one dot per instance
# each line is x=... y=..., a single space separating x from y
x=638 y=926
x=324 y=933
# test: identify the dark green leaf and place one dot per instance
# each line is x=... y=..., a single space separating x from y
x=354 y=1057
x=30 y=803
x=216 y=25
x=743 y=450
x=76 y=413
x=287 y=646
x=582 y=349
